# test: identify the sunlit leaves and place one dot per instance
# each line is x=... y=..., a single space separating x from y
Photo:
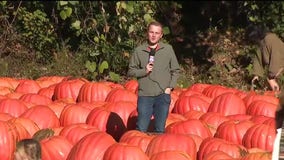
x=113 y=76
x=91 y=66
x=62 y=3
x=76 y=24
x=103 y=66
x=131 y=28
x=73 y=2
x=96 y=39
x=130 y=8
x=37 y=29
x=3 y=3
x=254 y=7
x=65 y=13
x=147 y=17
x=166 y=30
x=268 y=13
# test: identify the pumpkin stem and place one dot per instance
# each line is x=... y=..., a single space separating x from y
x=243 y=152
x=43 y=133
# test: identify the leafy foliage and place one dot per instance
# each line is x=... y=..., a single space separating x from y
x=37 y=32
x=108 y=40
x=269 y=13
x=95 y=39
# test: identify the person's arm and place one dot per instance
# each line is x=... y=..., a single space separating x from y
x=258 y=69
x=275 y=47
x=134 y=69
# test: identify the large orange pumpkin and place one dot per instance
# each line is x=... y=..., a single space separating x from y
x=75 y=132
x=107 y=121
x=36 y=99
x=261 y=136
x=14 y=107
x=132 y=85
x=68 y=89
x=7 y=141
x=93 y=91
x=213 y=91
x=253 y=97
x=57 y=106
x=193 y=114
x=28 y=86
x=42 y=115
x=5 y=116
x=55 y=147
x=190 y=126
x=198 y=87
x=5 y=90
x=120 y=94
x=19 y=131
x=124 y=151
x=217 y=155
x=171 y=142
x=29 y=124
x=211 y=144
x=74 y=113
x=227 y=104
x=46 y=81
x=188 y=103
x=91 y=146
x=122 y=108
x=47 y=91
x=9 y=82
x=170 y=155
x=213 y=120
x=262 y=107
x=233 y=130
x=136 y=138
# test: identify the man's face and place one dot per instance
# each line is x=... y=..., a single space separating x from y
x=154 y=34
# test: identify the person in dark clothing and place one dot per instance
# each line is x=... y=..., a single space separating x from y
x=269 y=57
x=156 y=68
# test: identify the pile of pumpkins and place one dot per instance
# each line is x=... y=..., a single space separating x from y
x=77 y=119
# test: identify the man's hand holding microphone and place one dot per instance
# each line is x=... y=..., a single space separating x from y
x=151 y=60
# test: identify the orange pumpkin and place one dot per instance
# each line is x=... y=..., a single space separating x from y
x=93 y=91
x=55 y=147
x=14 y=107
x=68 y=89
x=171 y=142
x=91 y=146
x=261 y=136
x=75 y=132
x=170 y=155
x=121 y=151
x=42 y=115
x=227 y=104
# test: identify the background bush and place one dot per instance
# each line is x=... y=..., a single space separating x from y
x=94 y=39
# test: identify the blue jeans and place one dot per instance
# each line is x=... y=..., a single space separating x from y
x=158 y=106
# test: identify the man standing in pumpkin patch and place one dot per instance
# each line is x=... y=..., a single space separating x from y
x=156 y=68
x=270 y=55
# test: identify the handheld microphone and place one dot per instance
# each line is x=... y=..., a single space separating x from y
x=152 y=56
